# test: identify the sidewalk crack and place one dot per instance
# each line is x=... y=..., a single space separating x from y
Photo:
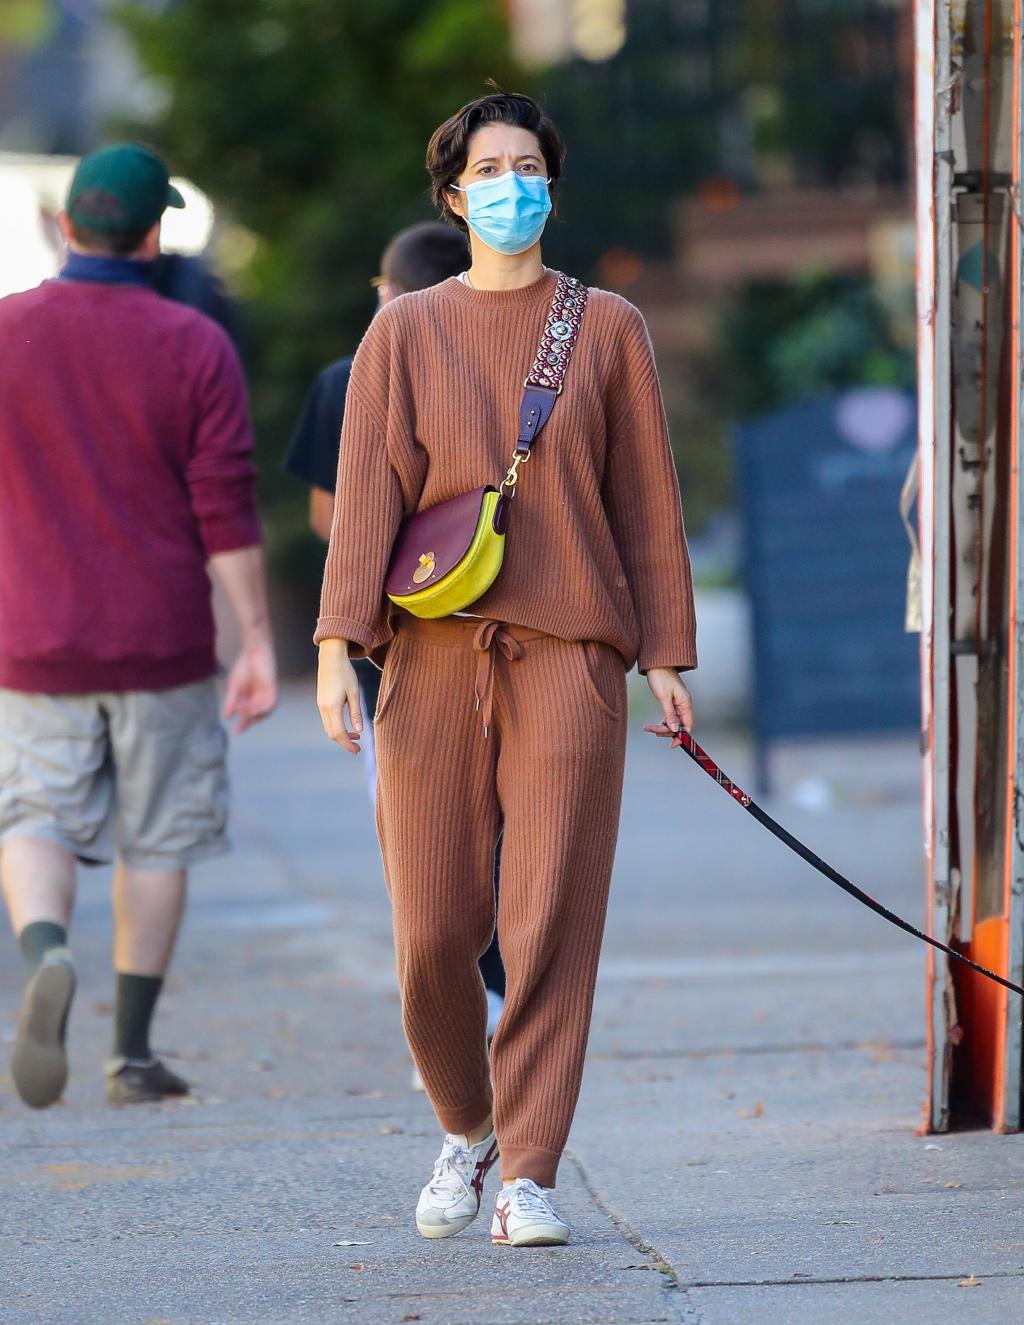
x=676 y=1292
x=811 y=1281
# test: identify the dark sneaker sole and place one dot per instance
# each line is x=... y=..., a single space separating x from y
x=135 y=1095
x=39 y=1062
x=145 y=1086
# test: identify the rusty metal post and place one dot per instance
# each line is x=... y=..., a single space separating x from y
x=934 y=166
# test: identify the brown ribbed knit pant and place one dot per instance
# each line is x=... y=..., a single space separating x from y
x=550 y=768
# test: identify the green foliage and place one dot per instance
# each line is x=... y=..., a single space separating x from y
x=307 y=121
x=786 y=341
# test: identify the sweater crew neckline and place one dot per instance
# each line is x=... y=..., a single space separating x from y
x=523 y=296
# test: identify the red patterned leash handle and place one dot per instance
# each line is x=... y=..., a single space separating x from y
x=700 y=756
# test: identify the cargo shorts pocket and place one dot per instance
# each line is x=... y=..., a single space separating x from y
x=208 y=787
x=605 y=676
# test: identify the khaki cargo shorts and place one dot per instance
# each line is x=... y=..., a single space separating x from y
x=140 y=772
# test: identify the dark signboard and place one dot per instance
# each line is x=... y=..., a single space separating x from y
x=825 y=564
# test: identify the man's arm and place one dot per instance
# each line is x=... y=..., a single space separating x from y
x=321 y=512
x=252 y=680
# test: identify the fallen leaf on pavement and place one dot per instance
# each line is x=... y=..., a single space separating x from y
x=951 y=1184
x=969 y=1282
x=358 y=1266
x=756 y=1112
x=348 y=1243
x=389 y=1129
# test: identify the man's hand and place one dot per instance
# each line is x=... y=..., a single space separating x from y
x=337 y=688
x=252 y=681
x=252 y=685
x=673 y=697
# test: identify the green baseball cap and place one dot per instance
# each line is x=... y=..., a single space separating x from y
x=122 y=187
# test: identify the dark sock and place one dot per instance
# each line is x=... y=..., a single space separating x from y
x=37 y=939
x=133 y=1012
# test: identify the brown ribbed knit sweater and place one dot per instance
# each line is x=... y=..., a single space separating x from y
x=595 y=547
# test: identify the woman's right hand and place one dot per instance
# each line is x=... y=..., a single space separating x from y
x=337 y=687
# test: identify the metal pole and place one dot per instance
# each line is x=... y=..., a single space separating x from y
x=934 y=178
x=1013 y=1048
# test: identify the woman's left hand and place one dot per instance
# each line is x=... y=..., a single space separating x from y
x=675 y=700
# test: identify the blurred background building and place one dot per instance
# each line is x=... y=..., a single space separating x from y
x=740 y=169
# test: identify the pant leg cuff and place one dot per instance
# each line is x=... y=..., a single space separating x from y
x=465 y=1118
x=529 y=1162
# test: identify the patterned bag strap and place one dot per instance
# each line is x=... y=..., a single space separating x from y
x=546 y=378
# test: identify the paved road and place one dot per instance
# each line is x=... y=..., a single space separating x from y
x=745 y=1150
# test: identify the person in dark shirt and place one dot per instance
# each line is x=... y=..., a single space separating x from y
x=313 y=454
x=416 y=258
x=187 y=279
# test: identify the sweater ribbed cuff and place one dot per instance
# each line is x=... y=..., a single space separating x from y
x=346 y=628
x=680 y=660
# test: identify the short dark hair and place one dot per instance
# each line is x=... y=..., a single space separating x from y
x=423 y=255
x=109 y=243
x=449 y=143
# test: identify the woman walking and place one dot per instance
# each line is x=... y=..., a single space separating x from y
x=511 y=712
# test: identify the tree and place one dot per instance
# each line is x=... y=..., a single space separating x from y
x=306 y=121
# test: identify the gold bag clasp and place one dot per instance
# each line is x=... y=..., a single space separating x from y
x=425 y=569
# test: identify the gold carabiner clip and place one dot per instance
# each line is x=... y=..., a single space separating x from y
x=512 y=477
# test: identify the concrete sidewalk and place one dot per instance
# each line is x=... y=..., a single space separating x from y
x=745 y=1149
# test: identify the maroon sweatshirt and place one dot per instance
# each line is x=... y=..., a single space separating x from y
x=125 y=464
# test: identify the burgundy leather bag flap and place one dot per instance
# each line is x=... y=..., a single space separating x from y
x=445 y=531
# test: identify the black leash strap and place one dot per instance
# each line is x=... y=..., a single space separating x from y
x=700 y=756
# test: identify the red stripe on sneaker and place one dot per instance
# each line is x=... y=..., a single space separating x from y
x=501 y=1214
x=483 y=1167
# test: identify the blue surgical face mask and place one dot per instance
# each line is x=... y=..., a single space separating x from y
x=508 y=212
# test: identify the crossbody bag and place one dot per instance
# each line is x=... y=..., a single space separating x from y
x=449 y=555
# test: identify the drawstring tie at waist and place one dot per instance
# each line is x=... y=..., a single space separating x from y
x=485 y=636
x=490 y=637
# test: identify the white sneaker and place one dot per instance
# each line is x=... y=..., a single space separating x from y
x=524 y=1217
x=451 y=1199
x=495 y=1007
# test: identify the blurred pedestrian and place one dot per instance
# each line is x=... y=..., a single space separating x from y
x=595 y=578
x=416 y=258
x=125 y=471
x=186 y=278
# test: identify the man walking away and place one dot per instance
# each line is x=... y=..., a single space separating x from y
x=125 y=471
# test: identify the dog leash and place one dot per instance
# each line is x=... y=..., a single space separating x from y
x=700 y=756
